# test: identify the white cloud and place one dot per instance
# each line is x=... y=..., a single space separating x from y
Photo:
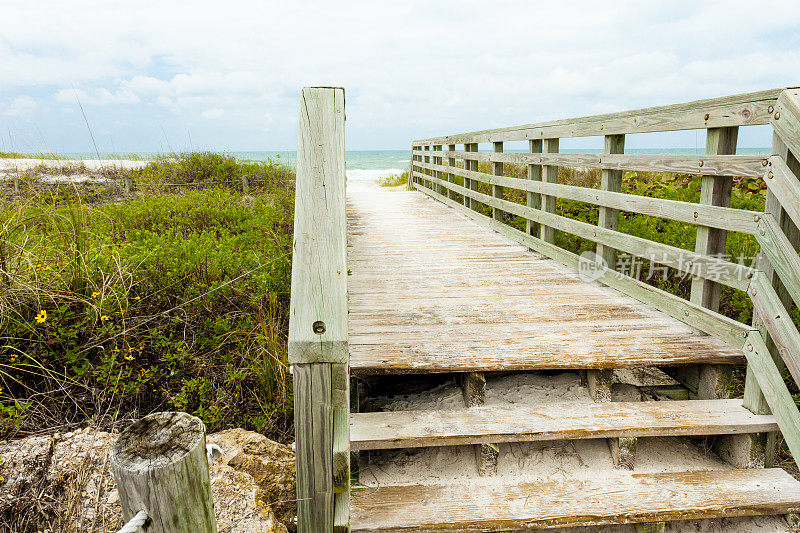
x=21 y=106
x=99 y=96
x=212 y=113
x=410 y=70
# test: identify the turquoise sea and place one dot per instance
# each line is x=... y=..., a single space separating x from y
x=369 y=165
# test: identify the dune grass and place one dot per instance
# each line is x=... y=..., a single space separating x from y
x=171 y=298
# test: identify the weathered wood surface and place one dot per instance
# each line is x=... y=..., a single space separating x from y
x=159 y=465
x=783 y=183
x=708 y=215
x=786 y=119
x=611 y=181
x=471 y=300
x=699 y=265
x=318 y=309
x=726 y=329
x=736 y=110
x=553 y=421
x=318 y=315
x=718 y=165
x=623 y=498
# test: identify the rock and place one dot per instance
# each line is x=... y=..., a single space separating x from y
x=64 y=483
x=269 y=463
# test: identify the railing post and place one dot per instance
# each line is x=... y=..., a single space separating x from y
x=550 y=175
x=160 y=467
x=473 y=166
x=245 y=185
x=497 y=170
x=534 y=200
x=318 y=344
x=412 y=168
x=427 y=159
x=611 y=180
x=438 y=174
x=451 y=162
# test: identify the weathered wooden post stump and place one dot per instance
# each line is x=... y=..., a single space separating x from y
x=245 y=185
x=159 y=464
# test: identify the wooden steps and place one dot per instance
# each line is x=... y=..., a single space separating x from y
x=552 y=421
x=621 y=498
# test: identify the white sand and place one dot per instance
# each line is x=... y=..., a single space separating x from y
x=521 y=462
x=9 y=167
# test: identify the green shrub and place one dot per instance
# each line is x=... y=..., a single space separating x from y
x=164 y=301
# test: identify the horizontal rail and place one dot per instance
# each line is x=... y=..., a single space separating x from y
x=725 y=272
x=778 y=322
x=726 y=218
x=786 y=119
x=730 y=331
x=774 y=390
x=709 y=165
x=781 y=254
x=737 y=110
x=785 y=186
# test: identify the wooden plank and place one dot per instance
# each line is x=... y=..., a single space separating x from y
x=451 y=162
x=786 y=119
x=778 y=323
x=533 y=199
x=715 y=190
x=771 y=383
x=313 y=420
x=703 y=266
x=785 y=185
x=737 y=110
x=620 y=499
x=716 y=165
x=318 y=308
x=738 y=220
x=549 y=175
x=553 y=421
x=781 y=253
x=318 y=325
x=340 y=404
x=473 y=166
x=497 y=190
x=611 y=180
x=728 y=330
x=473 y=388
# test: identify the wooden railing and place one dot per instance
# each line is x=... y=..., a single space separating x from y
x=772 y=341
x=318 y=346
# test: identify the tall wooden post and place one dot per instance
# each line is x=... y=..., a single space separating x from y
x=470 y=183
x=318 y=346
x=497 y=170
x=550 y=175
x=611 y=180
x=451 y=162
x=438 y=174
x=160 y=467
x=534 y=200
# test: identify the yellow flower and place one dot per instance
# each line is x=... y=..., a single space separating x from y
x=130 y=357
x=42 y=316
x=136 y=298
x=104 y=318
x=95 y=294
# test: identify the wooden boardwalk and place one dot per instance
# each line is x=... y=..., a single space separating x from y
x=395 y=290
x=432 y=291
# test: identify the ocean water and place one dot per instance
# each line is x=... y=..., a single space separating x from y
x=369 y=165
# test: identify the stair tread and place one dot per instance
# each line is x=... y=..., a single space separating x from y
x=553 y=421
x=621 y=498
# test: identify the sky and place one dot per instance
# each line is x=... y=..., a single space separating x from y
x=226 y=75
